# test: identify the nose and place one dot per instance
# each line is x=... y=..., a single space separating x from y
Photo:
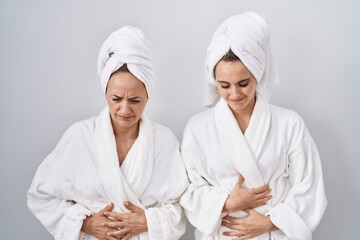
x=125 y=108
x=235 y=92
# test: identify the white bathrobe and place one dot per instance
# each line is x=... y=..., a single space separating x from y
x=82 y=175
x=276 y=149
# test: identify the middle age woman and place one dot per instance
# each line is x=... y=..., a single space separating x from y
x=117 y=175
x=244 y=147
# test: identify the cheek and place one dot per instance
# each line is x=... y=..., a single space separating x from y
x=223 y=92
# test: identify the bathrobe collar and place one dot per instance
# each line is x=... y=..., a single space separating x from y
x=244 y=151
x=128 y=182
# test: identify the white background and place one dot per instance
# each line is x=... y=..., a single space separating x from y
x=48 y=80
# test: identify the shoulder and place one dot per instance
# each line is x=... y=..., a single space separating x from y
x=78 y=132
x=285 y=115
x=200 y=121
x=163 y=134
x=162 y=131
x=201 y=117
x=291 y=122
x=82 y=126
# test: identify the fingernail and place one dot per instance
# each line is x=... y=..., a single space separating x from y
x=126 y=203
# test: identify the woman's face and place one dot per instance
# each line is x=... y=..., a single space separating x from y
x=236 y=85
x=126 y=97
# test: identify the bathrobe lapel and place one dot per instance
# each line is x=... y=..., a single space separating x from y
x=129 y=182
x=244 y=151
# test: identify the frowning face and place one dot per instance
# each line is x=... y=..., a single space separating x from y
x=126 y=97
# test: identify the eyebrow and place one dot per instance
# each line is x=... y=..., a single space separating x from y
x=247 y=79
x=135 y=97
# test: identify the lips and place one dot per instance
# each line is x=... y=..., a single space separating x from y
x=237 y=100
x=125 y=118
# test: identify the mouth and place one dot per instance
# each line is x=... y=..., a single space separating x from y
x=237 y=100
x=125 y=118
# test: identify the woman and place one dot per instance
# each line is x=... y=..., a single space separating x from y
x=117 y=175
x=243 y=148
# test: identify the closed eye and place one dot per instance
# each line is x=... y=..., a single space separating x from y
x=244 y=83
x=224 y=86
x=241 y=84
x=134 y=101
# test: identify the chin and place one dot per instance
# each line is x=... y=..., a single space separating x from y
x=125 y=124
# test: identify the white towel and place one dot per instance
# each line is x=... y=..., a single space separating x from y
x=248 y=36
x=126 y=45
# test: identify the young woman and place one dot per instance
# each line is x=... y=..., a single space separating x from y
x=254 y=170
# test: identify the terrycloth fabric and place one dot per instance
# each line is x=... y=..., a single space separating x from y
x=248 y=36
x=276 y=149
x=82 y=175
x=126 y=45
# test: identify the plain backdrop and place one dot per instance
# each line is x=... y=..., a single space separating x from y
x=48 y=80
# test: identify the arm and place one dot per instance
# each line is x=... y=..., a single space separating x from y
x=301 y=211
x=246 y=198
x=203 y=203
x=163 y=222
x=52 y=190
x=61 y=217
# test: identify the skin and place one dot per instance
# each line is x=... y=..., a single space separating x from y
x=237 y=86
x=126 y=97
x=126 y=224
x=93 y=225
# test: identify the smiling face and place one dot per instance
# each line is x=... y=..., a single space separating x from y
x=126 y=97
x=236 y=85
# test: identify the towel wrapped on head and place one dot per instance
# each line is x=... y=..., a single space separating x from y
x=248 y=36
x=126 y=45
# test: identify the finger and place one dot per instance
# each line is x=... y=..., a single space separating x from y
x=243 y=237
x=118 y=216
x=233 y=233
x=117 y=224
x=118 y=233
x=126 y=237
x=108 y=207
x=240 y=181
x=262 y=188
x=262 y=194
x=132 y=207
x=226 y=224
x=262 y=201
x=232 y=219
x=112 y=238
x=248 y=211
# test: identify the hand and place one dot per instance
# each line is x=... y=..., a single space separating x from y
x=252 y=225
x=93 y=225
x=242 y=198
x=127 y=224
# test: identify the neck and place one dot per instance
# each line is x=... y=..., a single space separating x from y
x=243 y=117
x=126 y=134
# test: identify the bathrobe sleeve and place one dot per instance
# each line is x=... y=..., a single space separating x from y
x=202 y=201
x=48 y=200
x=301 y=211
x=166 y=220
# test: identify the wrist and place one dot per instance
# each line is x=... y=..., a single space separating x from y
x=85 y=225
x=269 y=225
x=228 y=206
